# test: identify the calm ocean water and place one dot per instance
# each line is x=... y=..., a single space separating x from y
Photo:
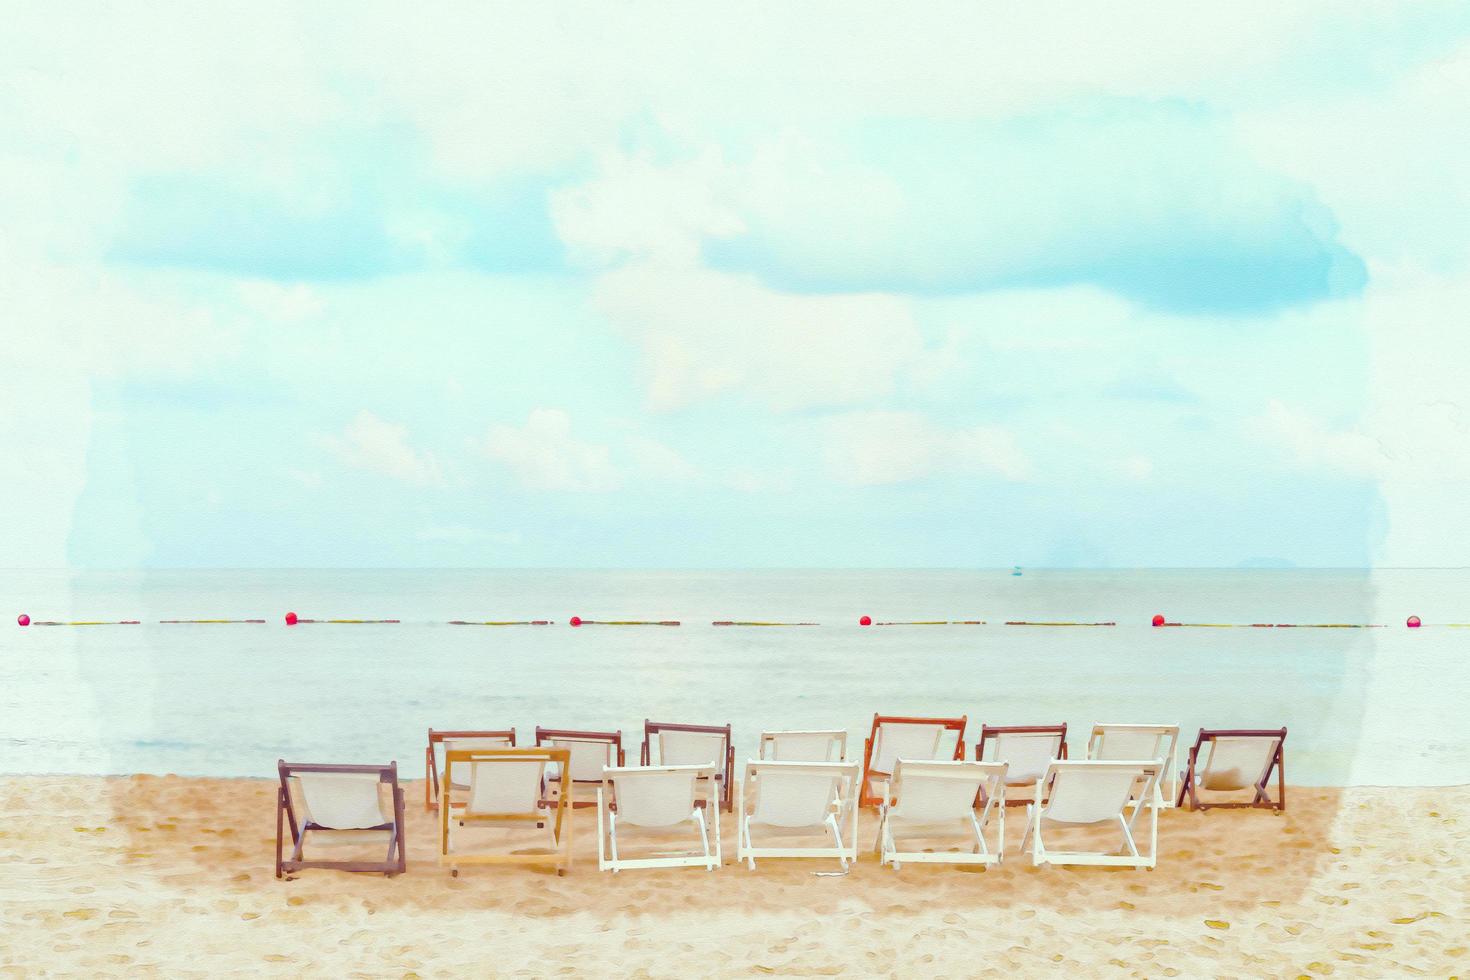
x=1362 y=705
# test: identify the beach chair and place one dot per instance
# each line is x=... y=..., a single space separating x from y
x=1230 y=760
x=505 y=790
x=936 y=801
x=1026 y=749
x=1095 y=793
x=495 y=739
x=658 y=800
x=1125 y=742
x=338 y=805
x=591 y=753
x=792 y=799
x=894 y=738
x=668 y=744
x=804 y=746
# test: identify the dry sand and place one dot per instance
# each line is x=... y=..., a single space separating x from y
x=164 y=875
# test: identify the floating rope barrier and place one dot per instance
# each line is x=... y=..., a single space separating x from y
x=86 y=622
x=211 y=620
x=579 y=621
x=501 y=622
x=932 y=622
x=752 y=622
x=1026 y=622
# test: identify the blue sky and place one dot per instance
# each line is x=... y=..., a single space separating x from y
x=959 y=287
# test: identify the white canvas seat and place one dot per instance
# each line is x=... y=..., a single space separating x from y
x=804 y=746
x=505 y=789
x=1098 y=794
x=790 y=799
x=1229 y=761
x=1115 y=742
x=895 y=738
x=1026 y=749
x=658 y=801
x=327 y=806
x=936 y=801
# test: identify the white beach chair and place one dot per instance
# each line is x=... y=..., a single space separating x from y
x=1114 y=743
x=339 y=805
x=1091 y=793
x=658 y=800
x=936 y=801
x=1026 y=749
x=895 y=738
x=804 y=746
x=788 y=799
x=1231 y=760
x=505 y=789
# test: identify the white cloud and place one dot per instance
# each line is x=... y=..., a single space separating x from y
x=867 y=448
x=377 y=446
x=660 y=463
x=544 y=455
x=1311 y=443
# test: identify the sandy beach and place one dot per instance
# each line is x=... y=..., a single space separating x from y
x=173 y=876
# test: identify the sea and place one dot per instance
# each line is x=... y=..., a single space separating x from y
x=1368 y=702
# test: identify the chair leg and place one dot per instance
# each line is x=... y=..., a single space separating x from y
x=280 y=811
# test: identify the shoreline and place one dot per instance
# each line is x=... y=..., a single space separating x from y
x=168 y=874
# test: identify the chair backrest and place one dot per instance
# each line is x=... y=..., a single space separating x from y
x=804 y=746
x=1127 y=742
x=942 y=790
x=1237 y=759
x=897 y=738
x=340 y=797
x=656 y=796
x=501 y=738
x=687 y=745
x=506 y=782
x=591 y=751
x=797 y=794
x=1028 y=749
x=1089 y=791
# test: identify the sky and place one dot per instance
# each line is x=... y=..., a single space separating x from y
x=728 y=285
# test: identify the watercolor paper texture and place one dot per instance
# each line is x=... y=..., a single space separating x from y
x=962 y=316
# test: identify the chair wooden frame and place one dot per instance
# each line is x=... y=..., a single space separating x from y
x=866 y=796
x=615 y=739
x=1170 y=757
x=724 y=768
x=559 y=857
x=395 y=862
x=1262 y=799
x=990 y=733
x=431 y=762
x=840 y=811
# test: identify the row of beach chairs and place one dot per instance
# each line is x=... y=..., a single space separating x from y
x=799 y=798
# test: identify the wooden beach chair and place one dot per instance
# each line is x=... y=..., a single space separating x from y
x=658 y=801
x=1234 y=759
x=340 y=805
x=506 y=790
x=796 y=799
x=492 y=739
x=1112 y=742
x=591 y=753
x=669 y=744
x=894 y=737
x=1026 y=749
x=1095 y=793
x=804 y=746
x=936 y=801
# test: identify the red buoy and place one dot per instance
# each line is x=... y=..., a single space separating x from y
x=1158 y=620
x=575 y=620
x=290 y=619
x=1413 y=623
x=23 y=619
x=866 y=621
